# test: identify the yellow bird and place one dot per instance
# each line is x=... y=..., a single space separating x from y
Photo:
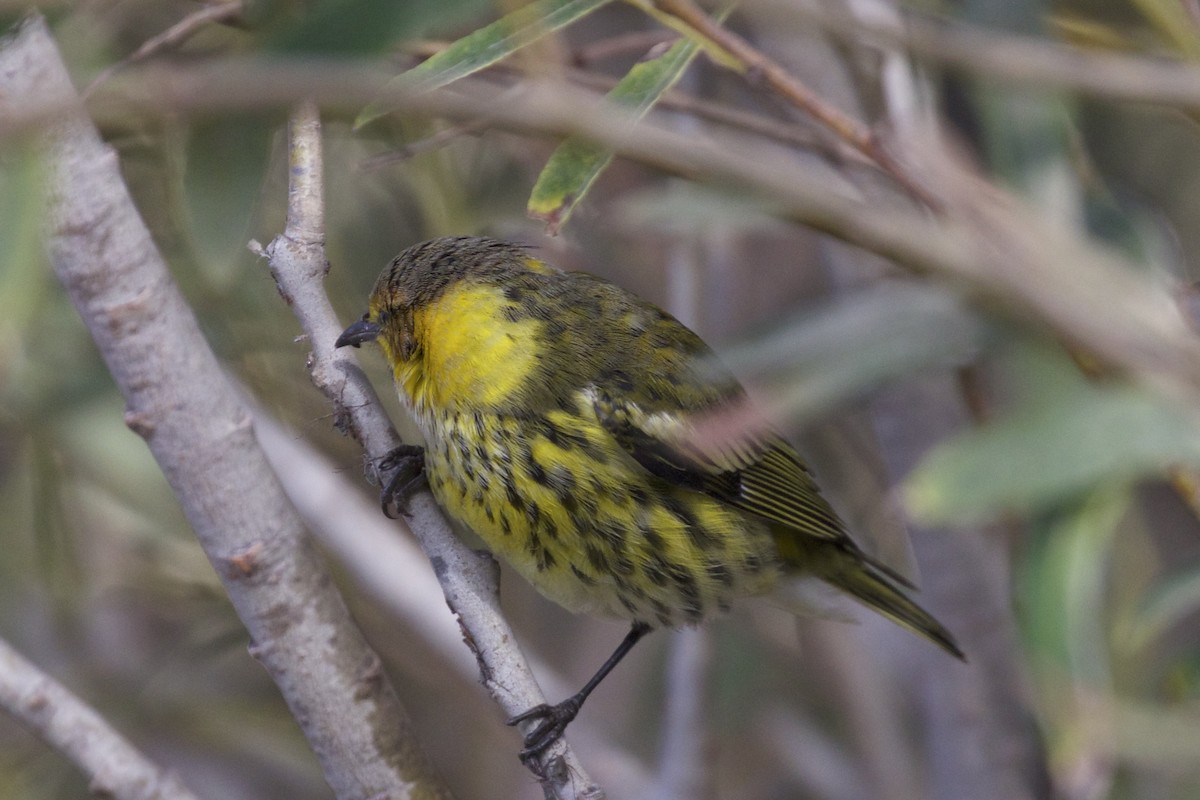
x=565 y=423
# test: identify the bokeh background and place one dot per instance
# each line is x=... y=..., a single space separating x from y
x=1041 y=504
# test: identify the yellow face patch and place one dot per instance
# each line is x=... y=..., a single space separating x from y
x=479 y=356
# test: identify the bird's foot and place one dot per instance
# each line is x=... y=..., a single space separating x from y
x=408 y=478
x=554 y=721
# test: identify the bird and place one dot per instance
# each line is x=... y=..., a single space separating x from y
x=568 y=423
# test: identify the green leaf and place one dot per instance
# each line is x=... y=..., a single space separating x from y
x=576 y=163
x=1067 y=436
x=1067 y=588
x=486 y=46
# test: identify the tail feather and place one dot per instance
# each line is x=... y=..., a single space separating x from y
x=839 y=562
x=871 y=587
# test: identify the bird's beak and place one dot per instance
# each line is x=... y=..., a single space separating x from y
x=362 y=331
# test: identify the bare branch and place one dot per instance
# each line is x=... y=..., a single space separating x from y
x=180 y=402
x=117 y=769
x=469 y=580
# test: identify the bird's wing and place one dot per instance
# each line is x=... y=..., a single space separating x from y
x=656 y=387
x=754 y=471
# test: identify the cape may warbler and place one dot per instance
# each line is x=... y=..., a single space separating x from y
x=562 y=418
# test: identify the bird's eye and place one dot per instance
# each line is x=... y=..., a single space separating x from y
x=383 y=317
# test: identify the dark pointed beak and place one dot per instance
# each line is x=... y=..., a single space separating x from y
x=361 y=331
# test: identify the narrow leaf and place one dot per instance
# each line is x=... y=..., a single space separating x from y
x=576 y=163
x=486 y=46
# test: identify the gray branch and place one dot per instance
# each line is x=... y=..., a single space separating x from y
x=181 y=403
x=116 y=768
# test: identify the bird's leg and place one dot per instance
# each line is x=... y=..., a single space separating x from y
x=408 y=461
x=554 y=719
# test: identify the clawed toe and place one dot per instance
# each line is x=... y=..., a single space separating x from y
x=408 y=461
x=554 y=721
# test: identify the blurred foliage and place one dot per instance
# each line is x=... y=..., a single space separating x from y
x=352 y=27
x=102 y=584
x=1065 y=435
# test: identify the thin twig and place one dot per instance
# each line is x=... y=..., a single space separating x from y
x=172 y=36
x=116 y=768
x=469 y=581
x=434 y=141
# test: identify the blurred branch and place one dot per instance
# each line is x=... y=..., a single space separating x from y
x=684 y=768
x=676 y=99
x=1026 y=60
x=673 y=99
x=115 y=766
x=179 y=401
x=986 y=242
x=823 y=767
x=1192 y=7
x=869 y=709
x=470 y=582
x=981 y=739
x=756 y=65
x=172 y=36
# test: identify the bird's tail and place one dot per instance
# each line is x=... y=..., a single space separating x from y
x=875 y=586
